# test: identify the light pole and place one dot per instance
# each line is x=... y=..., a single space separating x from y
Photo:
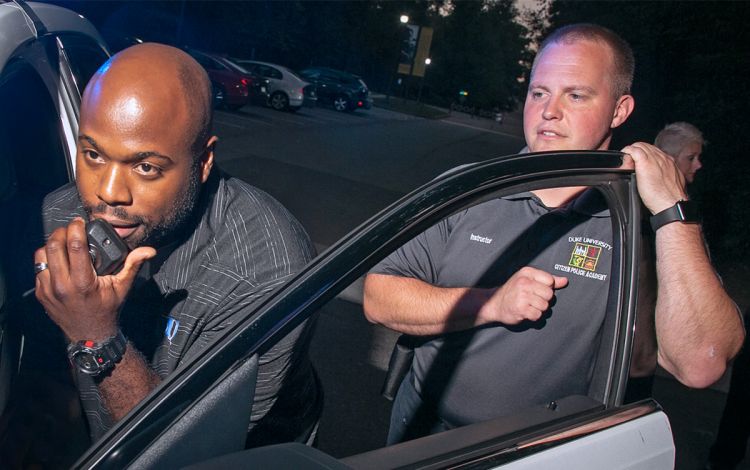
x=403 y=19
x=427 y=62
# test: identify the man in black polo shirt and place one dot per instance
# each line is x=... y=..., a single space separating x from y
x=509 y=296
x=205 y=247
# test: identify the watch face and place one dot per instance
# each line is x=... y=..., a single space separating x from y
x=87 y=362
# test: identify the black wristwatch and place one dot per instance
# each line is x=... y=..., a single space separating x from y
x=683 y=211
x=96 y=359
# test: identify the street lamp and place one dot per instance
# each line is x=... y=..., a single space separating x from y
x=403 y=19
x=427 y=62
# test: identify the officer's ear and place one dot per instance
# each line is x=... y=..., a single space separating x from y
x=623 y=108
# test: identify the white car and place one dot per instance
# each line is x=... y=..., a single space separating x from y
x=286 y=89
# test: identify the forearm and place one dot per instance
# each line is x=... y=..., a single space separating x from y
x=415 y=307
x=697 y=325
x=130 y=381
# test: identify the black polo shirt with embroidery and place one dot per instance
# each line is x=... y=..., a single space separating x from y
x=491 y=371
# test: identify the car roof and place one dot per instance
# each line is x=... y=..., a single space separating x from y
x=218 y=57
x=333 y=71
x=260 y=62
x=22 y=23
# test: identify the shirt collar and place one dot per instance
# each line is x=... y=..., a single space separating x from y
x=590 y=202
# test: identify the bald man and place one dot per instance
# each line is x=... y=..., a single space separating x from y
x=204 y=248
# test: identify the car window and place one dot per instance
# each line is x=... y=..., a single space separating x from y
x=214 y=64
x=249 y=66
x=330 y=77
x=348 y=79
x=311 y=74
x=293 y=74
x=231 y=65
x=352 y=257
x=30 y=140
x=84 y=56
x=264 y=71
x=207 y=62
x=271 y=72
x=457 y=242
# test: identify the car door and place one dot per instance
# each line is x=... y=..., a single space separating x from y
x=41 y=80
x=329 y=85
x=168 y=429
x=47 y=55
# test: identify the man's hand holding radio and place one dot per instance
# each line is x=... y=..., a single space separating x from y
x=85 y=306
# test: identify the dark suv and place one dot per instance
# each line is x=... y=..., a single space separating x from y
x=346 y=92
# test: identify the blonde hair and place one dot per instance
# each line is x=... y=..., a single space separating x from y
x=675 y=136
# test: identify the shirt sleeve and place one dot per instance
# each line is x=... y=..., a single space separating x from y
x=419 y=258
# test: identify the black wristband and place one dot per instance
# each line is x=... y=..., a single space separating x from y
x=683 y=211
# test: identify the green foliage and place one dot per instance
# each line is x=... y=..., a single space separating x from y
x=479 y=47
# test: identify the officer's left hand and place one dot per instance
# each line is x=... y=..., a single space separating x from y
x=85 y=306
x=660 y=182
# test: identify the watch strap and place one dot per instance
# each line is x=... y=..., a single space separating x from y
x=115 y=346
x=106 y=354
x=683 y=211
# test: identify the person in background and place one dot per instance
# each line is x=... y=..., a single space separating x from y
x=684 y=142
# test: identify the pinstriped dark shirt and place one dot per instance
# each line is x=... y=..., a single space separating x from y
x=241 y=245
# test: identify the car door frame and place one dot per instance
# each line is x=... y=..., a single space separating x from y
x=350 y=258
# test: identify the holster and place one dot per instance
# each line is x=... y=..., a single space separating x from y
x=398 y=365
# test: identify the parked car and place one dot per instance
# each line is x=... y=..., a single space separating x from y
x=198 y=415
x=233 y=87
x=286 y=90
x=342 y=90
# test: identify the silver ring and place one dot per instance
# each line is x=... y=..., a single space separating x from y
x=39 y=267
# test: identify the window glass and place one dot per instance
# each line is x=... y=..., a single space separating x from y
x=84 y=56
x=470 y=248
x=273 y=73
x=30 y=140
x=215 y=65
x=207 y=62
x=329 y=77
x=348 y=79
x=33 y=154
x=43 y=404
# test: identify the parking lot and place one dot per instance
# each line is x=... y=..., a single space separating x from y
x=334 y=170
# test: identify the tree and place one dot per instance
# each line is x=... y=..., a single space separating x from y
x=480 y=47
